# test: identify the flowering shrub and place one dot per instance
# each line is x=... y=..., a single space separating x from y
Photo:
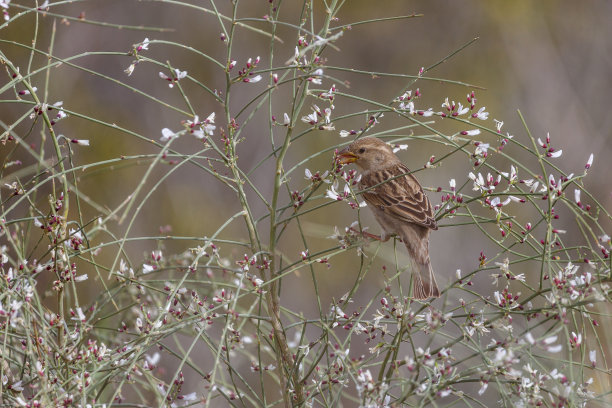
x=87 y=320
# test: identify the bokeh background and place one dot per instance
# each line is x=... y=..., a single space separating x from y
x=551 y=60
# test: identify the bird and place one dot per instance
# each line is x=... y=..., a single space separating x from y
x=399 y=205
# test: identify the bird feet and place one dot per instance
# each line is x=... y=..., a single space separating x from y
x=371 y=236
x=366 y=234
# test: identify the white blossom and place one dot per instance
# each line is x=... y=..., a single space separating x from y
x=483 y=387
x=167 y=134
x=154 y=359
x=481 y=114
x=129 y=70
x=311 y=118
x=482 y=149
x=589 y=162
x=144 y=45
x=332 y=193
x=82 y=142
x=498 y=124
x=461 y=110
x=429 y=112
x=400 y=147
x=253 y=80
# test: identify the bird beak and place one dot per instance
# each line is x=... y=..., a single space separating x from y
x=346 y=157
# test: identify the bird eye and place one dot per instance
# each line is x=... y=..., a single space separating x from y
x=362 y=150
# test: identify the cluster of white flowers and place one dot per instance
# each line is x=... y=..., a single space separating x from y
x=199 y=129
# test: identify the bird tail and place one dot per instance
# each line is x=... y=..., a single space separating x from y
x=424 y=282
x=416 y=239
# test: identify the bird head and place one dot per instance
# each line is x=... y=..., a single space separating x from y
x=369 y=153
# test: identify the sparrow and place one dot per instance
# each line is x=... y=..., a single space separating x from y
x=399 y=205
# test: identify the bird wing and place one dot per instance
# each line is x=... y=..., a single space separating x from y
x=398 y=194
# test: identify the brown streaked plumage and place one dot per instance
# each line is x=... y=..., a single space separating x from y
x=399 y=205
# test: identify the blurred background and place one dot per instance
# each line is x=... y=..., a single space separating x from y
x=549 y=60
